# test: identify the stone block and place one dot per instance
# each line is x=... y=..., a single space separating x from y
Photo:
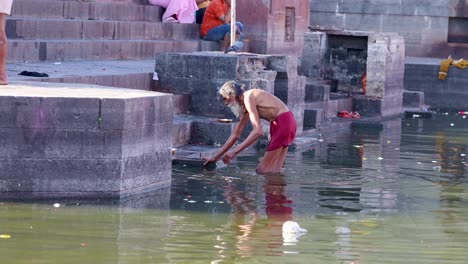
x=175 y=85
x=148 y=171
x=61 y=176
x=27 y=143
x=44 y=8
x=205 y=45
x=312 y=118
x=181 y=132
x=198 y=67
x=102 y=30
x=210 y=133
x=84 y=141
x=285 y=65
x=205 y=99
x=223 y=67
x=317 y=92
x=413 y=99
x=43 y=29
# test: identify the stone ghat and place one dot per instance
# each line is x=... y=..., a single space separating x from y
x=66 y=140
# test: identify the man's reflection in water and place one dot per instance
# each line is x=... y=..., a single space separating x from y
x=253 y=234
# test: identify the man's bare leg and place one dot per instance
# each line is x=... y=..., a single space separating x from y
x=282 y=158
x=3 y=46
x=270 y=162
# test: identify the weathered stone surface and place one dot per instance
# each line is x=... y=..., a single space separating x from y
x=67 y=140
x=317 y=92
x=413 y=99
x=422 y=75
x=267 y=26
x=424 y=24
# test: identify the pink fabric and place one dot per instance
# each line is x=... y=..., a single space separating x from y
x=182 y=11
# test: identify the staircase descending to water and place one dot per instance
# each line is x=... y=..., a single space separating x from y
x=103 y=42
x=114 y=43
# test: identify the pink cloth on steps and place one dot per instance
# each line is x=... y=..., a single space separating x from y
x=182 y=10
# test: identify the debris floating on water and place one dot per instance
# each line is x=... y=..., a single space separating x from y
x=292 y=231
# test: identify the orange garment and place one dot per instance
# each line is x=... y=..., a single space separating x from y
x=364 y=83
x=211 y=19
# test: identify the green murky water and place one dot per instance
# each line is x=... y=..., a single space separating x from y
x=396 y=193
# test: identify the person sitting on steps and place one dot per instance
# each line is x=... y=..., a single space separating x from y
x=216 y=26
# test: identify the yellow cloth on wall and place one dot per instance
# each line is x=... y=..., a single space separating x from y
x=460 y=64
x=444 y=66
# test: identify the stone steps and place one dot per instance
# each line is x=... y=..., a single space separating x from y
x=200 y=130
x=71 y=30
x=63 y=50
x=102 y=10
x=80 y=29
x=123 y=74
x=315 y=113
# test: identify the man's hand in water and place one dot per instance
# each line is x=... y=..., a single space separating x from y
x=228 y=157
x=208 y=160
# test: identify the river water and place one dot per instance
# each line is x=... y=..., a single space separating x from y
x=390 y=193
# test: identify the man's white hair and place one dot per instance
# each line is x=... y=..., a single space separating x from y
x=231 y=88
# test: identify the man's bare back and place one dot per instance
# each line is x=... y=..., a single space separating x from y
x=268 y=105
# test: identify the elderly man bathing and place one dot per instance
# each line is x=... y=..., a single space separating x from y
x=5 y=8
x=252 y=105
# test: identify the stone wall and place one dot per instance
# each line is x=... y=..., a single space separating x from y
x=421 y=74
x=266 y=28
x=344 y=56
x=426 y=25
x=199 y=76
x=75 y=140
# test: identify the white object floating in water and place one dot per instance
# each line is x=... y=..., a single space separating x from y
x=208 y=202
x=191 y=201
x=56 y=205
x=419 y=162
x=463 y=154
x=380 y=158
x=343 y=230
x=434 y=161
x=452 y=124
x=291 y=231
x=320 y=140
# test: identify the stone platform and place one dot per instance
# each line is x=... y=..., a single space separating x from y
x=70 y=140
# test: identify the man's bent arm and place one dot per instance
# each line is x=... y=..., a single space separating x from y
x=256 y=132
x=234 y=136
